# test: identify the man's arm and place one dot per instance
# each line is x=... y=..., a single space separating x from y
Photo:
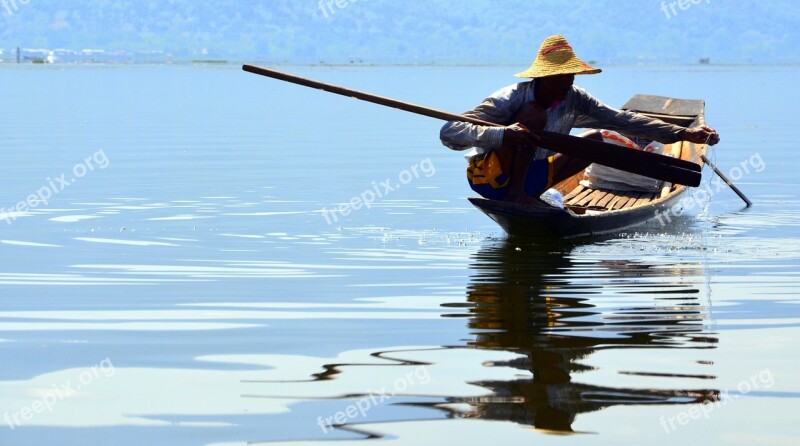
x=700 y=135
x=500 y=108
x=594 y=114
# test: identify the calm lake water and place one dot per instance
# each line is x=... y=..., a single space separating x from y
x=182 y=284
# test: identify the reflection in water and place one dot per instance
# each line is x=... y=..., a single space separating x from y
x=556 y=331
x=536 y=301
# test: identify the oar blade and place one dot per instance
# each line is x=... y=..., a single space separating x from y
x=648 y=164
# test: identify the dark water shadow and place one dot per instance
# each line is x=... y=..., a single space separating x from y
x=547 y=304
x=536 y=300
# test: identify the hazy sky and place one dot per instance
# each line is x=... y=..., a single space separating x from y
x=467 y=31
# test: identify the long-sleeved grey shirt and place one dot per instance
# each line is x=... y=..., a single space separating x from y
x=578 y=109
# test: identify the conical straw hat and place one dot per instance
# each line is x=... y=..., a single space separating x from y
x=556 y=57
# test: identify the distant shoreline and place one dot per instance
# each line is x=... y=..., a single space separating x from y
x=63 y=56
x=226 y=63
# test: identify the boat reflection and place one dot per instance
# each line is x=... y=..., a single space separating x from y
x=542 y=303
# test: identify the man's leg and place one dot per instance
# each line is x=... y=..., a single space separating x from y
x=517 y=160
x=521 y=159
x=565 y=166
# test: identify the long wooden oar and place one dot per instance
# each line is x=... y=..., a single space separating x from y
x=635 y=161
x=727 y=181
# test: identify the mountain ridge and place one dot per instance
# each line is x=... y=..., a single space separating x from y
x=385 y=31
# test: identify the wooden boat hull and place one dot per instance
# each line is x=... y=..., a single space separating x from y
x=585 y=217
x=551 y=222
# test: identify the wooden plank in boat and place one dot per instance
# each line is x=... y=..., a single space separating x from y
x=574 y=192
x=611 y=204
x=635 y=197
x=597 y=199
x=623 y=198
x=588 y=199
x=644 y=199
x=664 y=105
x=580 y=196
x=626 y=197
x=605 y=200
x=632 y=201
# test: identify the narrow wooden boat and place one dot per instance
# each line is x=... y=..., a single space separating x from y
x=595 y=211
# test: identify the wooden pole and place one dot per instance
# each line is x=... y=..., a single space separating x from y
x=727 y=181
x=635 y=161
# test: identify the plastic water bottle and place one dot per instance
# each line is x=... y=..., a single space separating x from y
x=553 y=198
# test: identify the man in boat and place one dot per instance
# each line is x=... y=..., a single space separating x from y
x=507 y=165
